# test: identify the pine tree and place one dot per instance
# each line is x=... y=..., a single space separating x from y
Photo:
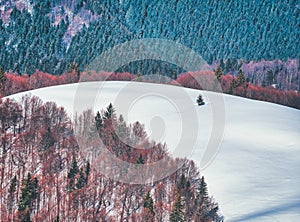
x=72 y=174
x=148 y=211
x=206 y=209
x=200 y=100
x=98 y=121
x=29 y=193
x=109 y=113
x=218 y=72
x=202 y=192
x=87 y=170
x=74 y=67
x=233 y=85
x=240 y=78
x=182 y=183
x=140 y=160
x=177 y=214
x=81 y=182
x=2 y=77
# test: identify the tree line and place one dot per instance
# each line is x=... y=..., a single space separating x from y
x=46 y=176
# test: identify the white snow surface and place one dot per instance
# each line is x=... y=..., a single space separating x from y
x=255 y=175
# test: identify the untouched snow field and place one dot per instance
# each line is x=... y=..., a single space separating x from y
x=255 y=175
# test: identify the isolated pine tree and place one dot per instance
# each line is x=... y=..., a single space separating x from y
x=200 y=100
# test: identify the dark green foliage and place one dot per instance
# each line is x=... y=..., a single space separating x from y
x=140 y=160
x=206 y=209
x=57 y=219
x=2 y=76
x=214 y=29
x=74 y=169
x=200 y=100
x=12 y=187
x=270 y=77
x=202 y=192
x=148 y=206
x=218 y=72
x=183 y=183
x=109 y=113
x=87 y=169
x=241 y=78
x=233 y=85
x=78 y=178
x=81 y=180
x=72 y=174
x=98 y=120
x=29 y=193
x=177 y=214
x=73 y=67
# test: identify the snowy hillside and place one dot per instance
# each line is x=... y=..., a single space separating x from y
x=255 y=174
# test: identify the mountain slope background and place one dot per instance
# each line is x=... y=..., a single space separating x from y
x=50 y=35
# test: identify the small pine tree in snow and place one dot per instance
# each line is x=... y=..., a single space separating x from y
x=200 y=100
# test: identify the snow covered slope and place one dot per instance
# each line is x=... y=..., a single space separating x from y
x=255 y=174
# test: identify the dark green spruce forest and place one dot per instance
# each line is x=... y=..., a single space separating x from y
x=49 y=35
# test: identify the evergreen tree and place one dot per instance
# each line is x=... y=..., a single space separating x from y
x=74 y=67
x=177 y=214
x=200 y=100
x=81 y=182
x=270 y=77
x=2 y=77
x=29 y=193
x=233 y=85
x=202 y=192
x=72 y=174
x=182 y=183
x=206 y=210
x=241 y=78
x=98 y=121
x=140 y=160
x=109 y=113
x=148 y=214
x=87 y=170
x=222 y=64
x=218 y=72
